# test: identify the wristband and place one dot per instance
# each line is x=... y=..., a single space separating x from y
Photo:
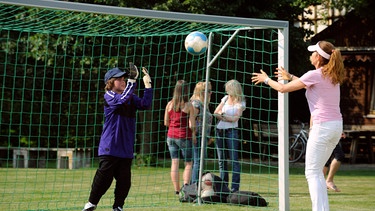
x=291 y=77
x=266 y=81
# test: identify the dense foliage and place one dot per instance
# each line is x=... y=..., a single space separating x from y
x=42 y=46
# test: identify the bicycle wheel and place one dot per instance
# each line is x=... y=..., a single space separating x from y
x=296 y=148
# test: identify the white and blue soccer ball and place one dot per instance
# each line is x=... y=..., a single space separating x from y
x=196 y=43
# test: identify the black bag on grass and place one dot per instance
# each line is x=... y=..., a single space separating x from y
x=188 y=193
x=220 y=189
x=246 y=198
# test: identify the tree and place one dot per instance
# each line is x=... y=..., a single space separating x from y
x=363 y=8
x=71 y=45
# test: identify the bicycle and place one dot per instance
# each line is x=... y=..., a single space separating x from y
x=297 y=144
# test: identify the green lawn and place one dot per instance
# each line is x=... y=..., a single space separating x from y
x=62 y=189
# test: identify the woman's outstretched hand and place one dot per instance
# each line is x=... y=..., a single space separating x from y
x=259 y=77
x=282 y=74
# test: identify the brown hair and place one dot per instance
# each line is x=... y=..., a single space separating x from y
x=199 y=91
x=333 y=67
x=109 y=85
x=180 y=95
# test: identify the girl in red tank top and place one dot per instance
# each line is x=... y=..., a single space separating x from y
x=179 y=117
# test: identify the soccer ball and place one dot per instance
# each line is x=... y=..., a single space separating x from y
x=196 y=43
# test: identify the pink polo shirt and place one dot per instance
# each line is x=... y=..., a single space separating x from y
x=322 y=96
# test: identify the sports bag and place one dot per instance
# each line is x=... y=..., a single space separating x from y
x=246 y=198
x=188 y=193
x=220 y=188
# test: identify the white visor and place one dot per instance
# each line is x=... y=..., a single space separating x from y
x=317 y=48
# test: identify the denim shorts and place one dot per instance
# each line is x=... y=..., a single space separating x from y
x=183 y=145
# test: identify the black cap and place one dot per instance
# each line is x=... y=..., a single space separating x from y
x=114 y=73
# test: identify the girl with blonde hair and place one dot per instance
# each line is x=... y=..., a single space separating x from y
x=197 y=100
x=228 y=112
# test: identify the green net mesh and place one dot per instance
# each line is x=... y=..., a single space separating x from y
x=51 y=83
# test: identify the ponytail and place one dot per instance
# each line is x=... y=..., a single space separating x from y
x=335 y=67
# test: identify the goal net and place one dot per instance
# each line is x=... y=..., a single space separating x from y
x=53 y=57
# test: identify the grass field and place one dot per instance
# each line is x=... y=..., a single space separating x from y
x=62 y=189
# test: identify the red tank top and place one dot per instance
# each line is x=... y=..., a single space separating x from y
x=179 y=125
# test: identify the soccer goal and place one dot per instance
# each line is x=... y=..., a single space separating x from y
x=53 y=57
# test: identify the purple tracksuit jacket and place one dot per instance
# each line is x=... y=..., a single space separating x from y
x=119 y=127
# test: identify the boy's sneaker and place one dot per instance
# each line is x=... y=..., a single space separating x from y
x=89 y=207
x=117 y=209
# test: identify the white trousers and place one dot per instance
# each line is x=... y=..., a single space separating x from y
x=323 y=138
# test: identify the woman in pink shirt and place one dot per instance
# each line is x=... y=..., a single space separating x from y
x=323 y=95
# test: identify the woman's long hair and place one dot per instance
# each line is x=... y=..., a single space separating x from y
x=233 y=88
x=199 y=91
x=180 y=95
x=334 y=67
